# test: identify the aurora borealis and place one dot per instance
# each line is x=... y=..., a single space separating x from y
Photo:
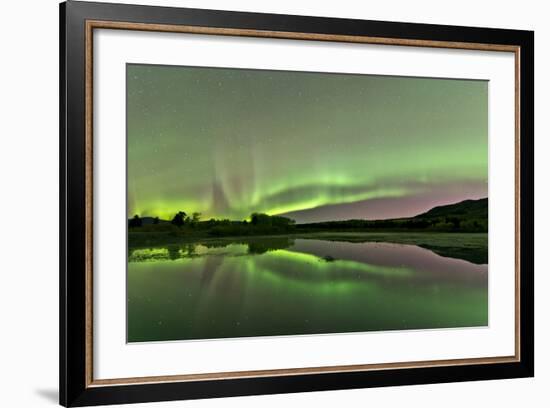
x=315 y=146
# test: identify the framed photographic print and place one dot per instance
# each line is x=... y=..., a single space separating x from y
x=256 y=203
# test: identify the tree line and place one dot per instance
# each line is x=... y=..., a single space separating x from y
x=257 y=223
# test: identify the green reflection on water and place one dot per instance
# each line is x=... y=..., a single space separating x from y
x=228 y=290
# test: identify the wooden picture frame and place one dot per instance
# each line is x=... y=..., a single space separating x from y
x=78 y=20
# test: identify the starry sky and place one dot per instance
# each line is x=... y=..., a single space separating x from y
x=312 y=146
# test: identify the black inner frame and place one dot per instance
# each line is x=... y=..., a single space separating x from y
x=73 y=390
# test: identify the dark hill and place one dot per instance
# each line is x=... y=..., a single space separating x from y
x=467 y=208
x=465 y=216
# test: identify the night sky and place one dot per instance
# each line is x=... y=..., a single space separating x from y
x=313 y=146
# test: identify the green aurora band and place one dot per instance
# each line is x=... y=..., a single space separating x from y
x=229 y=142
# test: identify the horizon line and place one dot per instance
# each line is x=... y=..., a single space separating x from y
x=317 y=222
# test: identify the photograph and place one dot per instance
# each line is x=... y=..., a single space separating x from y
x=257 y=202
x=284 y=203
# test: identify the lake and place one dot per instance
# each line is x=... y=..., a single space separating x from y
x=290 y=286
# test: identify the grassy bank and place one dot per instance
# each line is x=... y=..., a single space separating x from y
x=468 y=246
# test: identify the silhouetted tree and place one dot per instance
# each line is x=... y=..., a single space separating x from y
x=156 y=220
x=281 y=221
x=260 y=219
x=179 y=219
x=194 y=219
x=135 y=222
x=453 y=220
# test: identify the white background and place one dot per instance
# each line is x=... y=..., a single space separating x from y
x=113 y=358
x=29 y=190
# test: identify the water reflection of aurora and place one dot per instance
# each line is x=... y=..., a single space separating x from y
x=227 y=291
